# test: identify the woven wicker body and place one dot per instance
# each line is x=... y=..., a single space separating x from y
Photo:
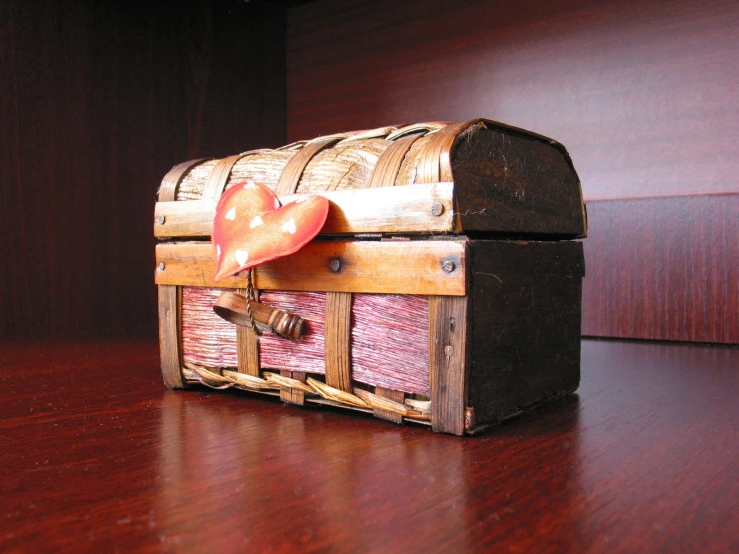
x=444 y=273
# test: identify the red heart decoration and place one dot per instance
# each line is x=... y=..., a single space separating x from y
x=251 y=227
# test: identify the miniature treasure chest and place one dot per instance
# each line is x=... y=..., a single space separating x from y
x=444 y=287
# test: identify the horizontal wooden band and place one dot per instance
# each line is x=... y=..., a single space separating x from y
x=290 y=177
x=406 y=209
x=387 y=267
x=173 y=178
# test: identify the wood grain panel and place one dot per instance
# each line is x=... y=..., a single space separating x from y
x=99 y=100
x=641 y=92
x=663 y=268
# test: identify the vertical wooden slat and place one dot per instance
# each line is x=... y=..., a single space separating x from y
x=447 y=362
x=397 y=396
x=338 y=340
x=169 y=341
x=247 y=347
x=292 y=396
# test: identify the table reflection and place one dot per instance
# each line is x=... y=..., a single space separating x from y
x=295 y=476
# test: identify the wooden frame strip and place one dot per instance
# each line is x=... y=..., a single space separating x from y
x=406 y=209
x=173 y=178
x=169 y=336
x=290 y=177
x=448 y=362
x=337 y=350
x=247 y=347
x=424 y=267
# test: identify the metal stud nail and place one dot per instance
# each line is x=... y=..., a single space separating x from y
x=161 y=266
x=448 y=351
x=448 y=265
x=161 y=220
x=437 y=209
x=335 y=265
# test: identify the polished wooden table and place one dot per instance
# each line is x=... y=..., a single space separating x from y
x=97 y=456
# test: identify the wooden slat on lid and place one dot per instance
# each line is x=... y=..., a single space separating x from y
x=430 y=167
x=173 y=178
x=338 y=340
x=219 y=177
x=388 y=165
x=427 y=127
x=290 y=177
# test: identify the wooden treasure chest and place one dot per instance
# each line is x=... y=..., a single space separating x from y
x=443 y=289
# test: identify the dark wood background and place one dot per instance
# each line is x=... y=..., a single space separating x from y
x=99 y=100
x=643 y=93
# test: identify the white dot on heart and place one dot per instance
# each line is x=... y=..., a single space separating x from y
x=289 y=226
x=231 y=214
x=218 y=251
x=241 y=256
x=256 y=222
x=250 y=185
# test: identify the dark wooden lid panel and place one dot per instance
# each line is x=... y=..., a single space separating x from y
x=512 y=182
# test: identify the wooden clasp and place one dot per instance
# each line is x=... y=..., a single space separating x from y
x=233 y=308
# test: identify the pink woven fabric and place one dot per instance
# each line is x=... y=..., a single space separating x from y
x=389 y=337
